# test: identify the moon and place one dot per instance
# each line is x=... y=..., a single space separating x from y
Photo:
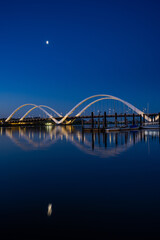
x=47 y=42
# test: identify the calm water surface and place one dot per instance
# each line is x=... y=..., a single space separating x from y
x=57 y=182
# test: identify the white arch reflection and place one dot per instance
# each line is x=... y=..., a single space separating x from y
x=102 y=145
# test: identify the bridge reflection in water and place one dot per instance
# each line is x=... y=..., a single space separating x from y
x=99 y=144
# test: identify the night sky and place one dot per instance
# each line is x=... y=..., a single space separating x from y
x=110 y=47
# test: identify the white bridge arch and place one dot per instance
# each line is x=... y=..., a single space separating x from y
x=35 y=106
x=102 y=97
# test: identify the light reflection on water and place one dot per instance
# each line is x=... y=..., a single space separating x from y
x=59 y=181
x=99 y=144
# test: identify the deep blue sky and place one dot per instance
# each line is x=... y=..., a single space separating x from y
x=110 y=47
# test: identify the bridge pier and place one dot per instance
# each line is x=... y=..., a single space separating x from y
x=103 y=124
x=92 y=119
x=105 y=120
x=82 y=123
x=115 y=119
x=99 y=121
x=144 y=118
x=125 y=119
x=133 y=122
x=140 y=120
x=154 y=118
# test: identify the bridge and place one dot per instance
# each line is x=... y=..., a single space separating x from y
x=68 y=119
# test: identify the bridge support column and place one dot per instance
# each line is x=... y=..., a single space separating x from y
x=133 y=122
x=154 y=118
x=82 y=123
x=105 y=122
x=92 y=119
x=99 y=121
x=144 y=118
x=115 y=119
x=140 y=120
x=125 y=119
